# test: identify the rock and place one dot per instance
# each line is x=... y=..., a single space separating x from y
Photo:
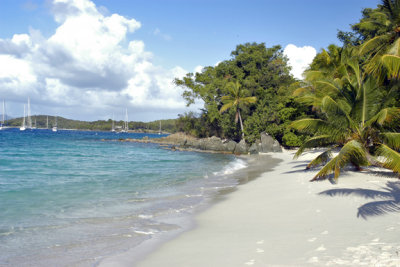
x=269 y=144
x=230 y=146
x=241 y=147
x=214 y=143
x=254 y=148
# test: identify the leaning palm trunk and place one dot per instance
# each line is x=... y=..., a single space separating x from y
x=241 y=124
x=236 y=98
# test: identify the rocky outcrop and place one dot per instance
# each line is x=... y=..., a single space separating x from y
x=269 y=144
x=265 y=144
x=215 y=144
x=242 y=147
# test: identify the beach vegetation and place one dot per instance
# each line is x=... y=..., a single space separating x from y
x=260 y=73
x=237 y=98
x=355 y=120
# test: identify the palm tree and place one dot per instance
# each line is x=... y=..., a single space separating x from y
x=354 y=113
x=383 y=48
x=236 y=99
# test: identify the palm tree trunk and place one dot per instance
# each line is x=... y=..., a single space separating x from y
x=241 y=124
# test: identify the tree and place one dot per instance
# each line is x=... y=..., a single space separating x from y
x=355 y=115
x=237 y=98
x=380 y=29
x=264 y=73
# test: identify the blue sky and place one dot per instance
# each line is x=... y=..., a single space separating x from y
x=171 y=37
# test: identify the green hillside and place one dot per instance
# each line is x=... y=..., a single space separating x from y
x=100 y=125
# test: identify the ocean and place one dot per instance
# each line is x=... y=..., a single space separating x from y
x=69 y=198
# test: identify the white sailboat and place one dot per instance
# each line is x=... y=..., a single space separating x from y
x=54 y=129
x=159 y=131
x=47 y=123
x=126 y=127
x=112 y=125
x=3 y=116
x=23 y=125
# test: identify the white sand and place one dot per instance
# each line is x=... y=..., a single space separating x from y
x=281 y=219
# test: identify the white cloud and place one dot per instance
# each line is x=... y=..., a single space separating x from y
x=88 y=63
x=299 y=58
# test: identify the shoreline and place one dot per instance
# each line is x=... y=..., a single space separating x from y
x=282 y=219
x=257 y=165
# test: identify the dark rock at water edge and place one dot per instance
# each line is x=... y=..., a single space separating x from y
x=241 y=147
x=216 y=144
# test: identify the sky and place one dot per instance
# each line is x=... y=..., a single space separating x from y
x=92 y=59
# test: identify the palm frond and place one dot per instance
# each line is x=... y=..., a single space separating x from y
x=372 y=44
x=312 y=75
x=316 y=141
x=392 y=140
x=308 y=124
x=392 y=63
x=384 y=116
x=226 y=107
x=395 y=48
x=355 y=67
x=391 y=158
x=352 y=152
x=328 y=87
x=300 y=91
x=249 y=99
x=320 y=159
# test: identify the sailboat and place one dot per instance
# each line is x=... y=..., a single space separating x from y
x=112 y=125
x=3 y=116
x=23 y=125
x=159 y=131
x=54 y=129
x=47 y=123
x=125 y=128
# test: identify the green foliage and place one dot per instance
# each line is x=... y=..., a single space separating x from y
x=259 y=73
x=354 y=116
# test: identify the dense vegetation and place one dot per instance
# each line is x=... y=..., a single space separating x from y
x=354 y=91
x=261 y=73
x=100 y=125
x=347 y=102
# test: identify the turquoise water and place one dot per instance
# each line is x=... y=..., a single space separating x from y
x=69 y=198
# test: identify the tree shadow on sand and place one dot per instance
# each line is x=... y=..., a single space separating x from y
x=375 y=208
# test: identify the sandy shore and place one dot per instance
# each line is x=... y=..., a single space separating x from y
x=281 y=219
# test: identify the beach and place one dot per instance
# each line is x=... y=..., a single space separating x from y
x=282 y=219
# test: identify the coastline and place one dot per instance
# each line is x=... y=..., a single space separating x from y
x=256 y=165
x=281 y=219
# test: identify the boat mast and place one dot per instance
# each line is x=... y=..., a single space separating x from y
x=47 y=123
x=23 y=120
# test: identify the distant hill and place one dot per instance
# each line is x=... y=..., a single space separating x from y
x=100 y=125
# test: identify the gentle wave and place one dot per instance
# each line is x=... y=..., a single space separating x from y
x=232 y=167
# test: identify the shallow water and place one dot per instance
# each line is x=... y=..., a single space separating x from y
x=68 y=198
